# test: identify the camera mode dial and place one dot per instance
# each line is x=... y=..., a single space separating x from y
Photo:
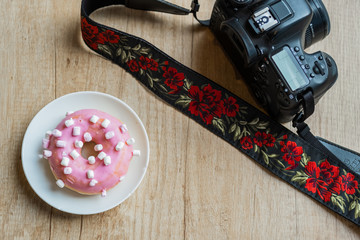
x=240 y=3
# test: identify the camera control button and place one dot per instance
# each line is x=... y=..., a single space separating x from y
x=262 y=68
x=287 y=101
x=316 y=70
x=312 y=75
x=321 y=58
x=302 y=58
x=282 y=10
x=328 y=62
x=296 y=49
x=319 y=68
x=307 y=66
x=281 y=94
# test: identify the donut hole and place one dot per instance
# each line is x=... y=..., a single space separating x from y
x=88 y=150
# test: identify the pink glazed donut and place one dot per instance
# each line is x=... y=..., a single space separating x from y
x=98 y=173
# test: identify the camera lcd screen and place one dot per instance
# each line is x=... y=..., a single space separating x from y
x=290 y=69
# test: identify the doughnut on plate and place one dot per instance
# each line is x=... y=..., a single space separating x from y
x=37 y=170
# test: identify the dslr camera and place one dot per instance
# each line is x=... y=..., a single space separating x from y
x=265 y=40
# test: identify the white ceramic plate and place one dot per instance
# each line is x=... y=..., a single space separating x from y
x=37 y=170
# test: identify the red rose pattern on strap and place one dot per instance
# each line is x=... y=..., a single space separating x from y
x=330 y=183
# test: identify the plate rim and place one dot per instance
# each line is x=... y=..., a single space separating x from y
x=48 y=105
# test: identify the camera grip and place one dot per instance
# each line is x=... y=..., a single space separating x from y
x=240 y=39
x=332 y=67
x=326 y=74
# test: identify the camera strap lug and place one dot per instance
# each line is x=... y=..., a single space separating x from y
x=308 y=104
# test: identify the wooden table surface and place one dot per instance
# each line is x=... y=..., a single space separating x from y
x=197 y=186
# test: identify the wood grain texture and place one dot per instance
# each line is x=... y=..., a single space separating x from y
x=197 y=186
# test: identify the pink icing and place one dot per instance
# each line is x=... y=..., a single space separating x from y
x=106 y=176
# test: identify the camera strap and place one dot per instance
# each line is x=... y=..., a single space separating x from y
x=322 y=170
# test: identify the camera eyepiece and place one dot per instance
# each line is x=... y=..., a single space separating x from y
x=319 y=27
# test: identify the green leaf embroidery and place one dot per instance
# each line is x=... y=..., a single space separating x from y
x=262 y=125
x=256 y=148
x=357 y=210
x=118 y=51
x=237 y=134
x=219 y=124
x=136 y=48
x=123 y=56
x=232 y=128
x=254 y=121
x=338 y=201
x=183 y=100
x=163 y=88
x=242 y=110
x=300 y=177
x=187 y=84
x=321 y=161
x=145 y=50
x=347 y=197
x=243 y=123
x=352 y=205
x=265 y=156
x=305 y=159
x=105 y=49
x=150 y=80
x=281 y=164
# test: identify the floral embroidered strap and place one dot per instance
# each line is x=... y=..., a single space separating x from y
x=325 y=178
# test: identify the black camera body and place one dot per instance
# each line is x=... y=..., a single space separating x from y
x=265 y=39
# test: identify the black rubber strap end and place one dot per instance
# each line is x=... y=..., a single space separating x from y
x=303 y=130
x=157 y=5
x=195 y=6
